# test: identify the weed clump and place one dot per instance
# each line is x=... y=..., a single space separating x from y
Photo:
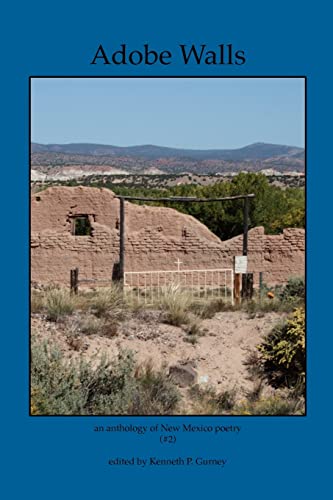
x=193 y=331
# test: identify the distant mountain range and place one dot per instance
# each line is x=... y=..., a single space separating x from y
x=256 y=151
x=87 y=159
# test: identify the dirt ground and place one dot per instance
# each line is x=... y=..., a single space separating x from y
x=218 y=356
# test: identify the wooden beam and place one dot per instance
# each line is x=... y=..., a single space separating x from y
x=176 y=199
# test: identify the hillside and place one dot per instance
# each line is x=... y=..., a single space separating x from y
x=90 y=159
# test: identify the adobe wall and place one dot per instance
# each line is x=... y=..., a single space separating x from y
x=155 y=238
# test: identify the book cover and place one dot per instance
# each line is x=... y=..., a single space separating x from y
x=165 y=182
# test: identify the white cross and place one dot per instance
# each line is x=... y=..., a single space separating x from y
x=178 y=262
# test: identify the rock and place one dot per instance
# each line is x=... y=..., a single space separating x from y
x=183 y=375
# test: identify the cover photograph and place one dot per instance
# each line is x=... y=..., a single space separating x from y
x=164 y=192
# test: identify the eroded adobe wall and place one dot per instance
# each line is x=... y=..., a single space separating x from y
x=55 y=251
x=155 y=238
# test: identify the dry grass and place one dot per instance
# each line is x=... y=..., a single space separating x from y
x=175 y=304
x=36 y=301
x=108 y=301
x=58 y=302
x=273 y=405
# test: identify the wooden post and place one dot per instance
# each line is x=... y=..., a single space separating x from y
x=237 y=283
x=72 y=280
x=247 y=286
x=245 y=224
x=75 y=280
x=261 y=285
x=245 y=241
x=122 y=239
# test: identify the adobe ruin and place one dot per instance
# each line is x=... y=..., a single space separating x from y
x=79 y=227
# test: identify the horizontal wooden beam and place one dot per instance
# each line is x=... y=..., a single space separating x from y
x=186 y=199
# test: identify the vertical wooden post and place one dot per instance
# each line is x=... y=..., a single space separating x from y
x=237 y=283
x=122 y=239
x=245 y=241
x=245 y=224
x=261 y=285
x=75 y=280
x=249 y=285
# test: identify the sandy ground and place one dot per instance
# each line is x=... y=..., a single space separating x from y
x=218 y=356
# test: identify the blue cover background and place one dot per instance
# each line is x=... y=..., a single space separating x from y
x=62 y=457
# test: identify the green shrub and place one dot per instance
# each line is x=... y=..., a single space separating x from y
x=294 y=289
x=55 y=384
x=283 y=351
x=78 y=387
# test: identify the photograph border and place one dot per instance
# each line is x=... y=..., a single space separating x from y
x=305 y=78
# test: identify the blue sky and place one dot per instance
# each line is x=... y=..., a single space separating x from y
x=187 y=113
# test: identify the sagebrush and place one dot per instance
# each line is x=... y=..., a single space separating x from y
x=60 y=386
